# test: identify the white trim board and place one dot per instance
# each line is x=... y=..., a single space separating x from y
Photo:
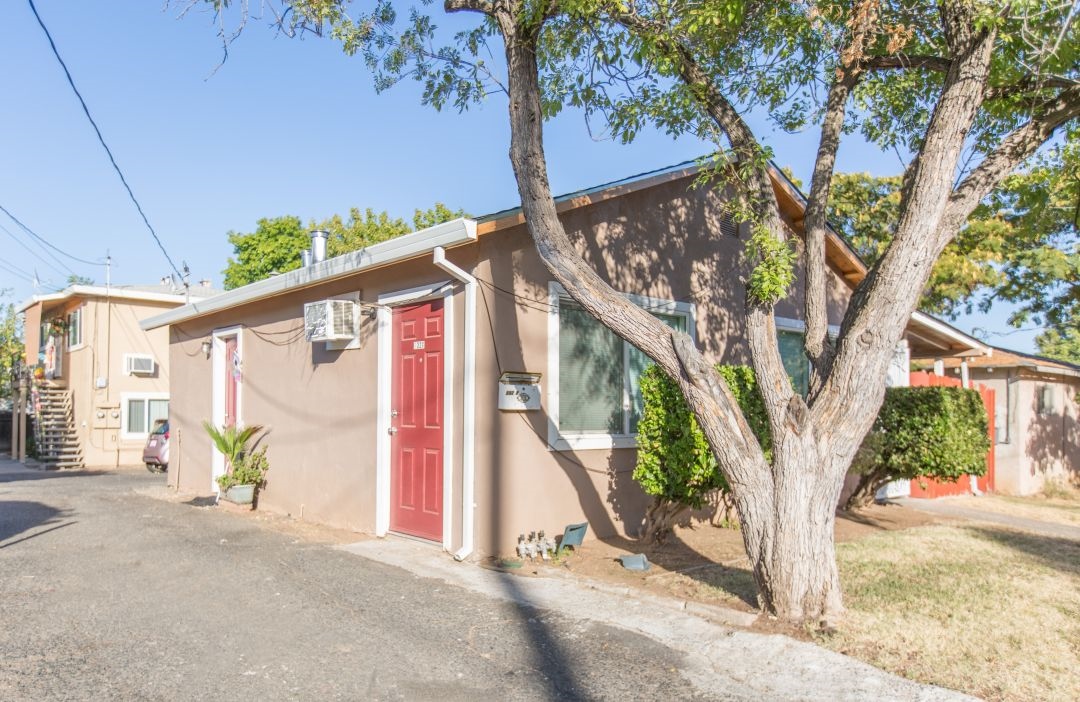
x=218 y=375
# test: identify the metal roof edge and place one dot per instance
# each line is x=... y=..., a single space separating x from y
x=452 y=233
x=102 y=291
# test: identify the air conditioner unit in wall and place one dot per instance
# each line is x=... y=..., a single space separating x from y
x=139 y=364
x=331 y=320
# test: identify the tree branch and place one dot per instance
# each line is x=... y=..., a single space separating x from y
x=1014 y=149
x=817 y=322
x=481 y=6
x=902 y=61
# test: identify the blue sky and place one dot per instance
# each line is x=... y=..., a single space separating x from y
x=285 y=126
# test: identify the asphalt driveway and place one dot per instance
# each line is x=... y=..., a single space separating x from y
x=107 y=593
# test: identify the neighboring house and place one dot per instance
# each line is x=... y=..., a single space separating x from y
x=474 y=401
x=101 y=381
x=1036 y=417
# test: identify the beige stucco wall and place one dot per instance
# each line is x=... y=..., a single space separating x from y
x=110 y=329
x=320 y=408
x=1041 y=446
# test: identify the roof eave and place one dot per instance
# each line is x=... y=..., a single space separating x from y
x=448 y=234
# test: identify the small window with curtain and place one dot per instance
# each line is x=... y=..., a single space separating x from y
x=596 y=374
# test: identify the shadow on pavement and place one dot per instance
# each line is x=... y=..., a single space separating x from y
x=202 y=501
x=550 y=660
x=18 y=516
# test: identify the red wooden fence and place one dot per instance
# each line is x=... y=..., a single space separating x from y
x=962 y=486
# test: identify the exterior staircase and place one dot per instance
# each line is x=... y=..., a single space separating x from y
x=57 y=441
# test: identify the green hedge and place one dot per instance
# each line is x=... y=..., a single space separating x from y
x=932 y=432
x=674 y=461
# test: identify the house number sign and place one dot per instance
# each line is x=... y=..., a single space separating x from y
x=417 y=345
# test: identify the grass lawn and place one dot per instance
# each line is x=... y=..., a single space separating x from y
x=992 y=612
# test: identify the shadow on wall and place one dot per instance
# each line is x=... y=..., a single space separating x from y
x=674 y=245
x=1053 y=436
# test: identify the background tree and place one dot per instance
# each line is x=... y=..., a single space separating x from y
x=1064 y=345
x=276 y=243
x=1020 y=245
x=79 y=280
x=971 y=88
x=11 y=345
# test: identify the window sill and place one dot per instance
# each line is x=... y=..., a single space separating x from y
x=588 y=442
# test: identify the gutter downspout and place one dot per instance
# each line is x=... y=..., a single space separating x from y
x=468 y=442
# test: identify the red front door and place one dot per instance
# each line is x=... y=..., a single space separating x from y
x=232 y=377
x=416 y=422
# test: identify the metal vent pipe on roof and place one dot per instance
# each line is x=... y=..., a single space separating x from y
x=305 y=258
x=318 y=246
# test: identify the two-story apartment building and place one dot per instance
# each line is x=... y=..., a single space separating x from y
x=100 y=381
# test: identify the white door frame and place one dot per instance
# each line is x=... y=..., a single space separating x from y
x=445 y=290
x=219 y=373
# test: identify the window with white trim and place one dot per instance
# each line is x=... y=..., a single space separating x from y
x=594 y=396
x=74 y=328
x=141 y=411
x=791 y=338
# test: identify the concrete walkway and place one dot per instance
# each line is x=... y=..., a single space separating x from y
x=947 y=508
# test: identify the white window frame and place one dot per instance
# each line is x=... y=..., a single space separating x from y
x=127 y=397
x=77 y=312
x=574 y=441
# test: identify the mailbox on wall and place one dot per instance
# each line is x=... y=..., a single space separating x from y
x=519 y=391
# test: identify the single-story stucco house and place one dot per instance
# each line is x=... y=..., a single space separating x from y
x=474 y=401
x=1036 y=417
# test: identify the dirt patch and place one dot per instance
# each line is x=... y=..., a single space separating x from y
x=706 y=564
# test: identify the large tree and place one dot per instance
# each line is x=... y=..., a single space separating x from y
x=970 y=88
x=11 y=346
x=275 y=245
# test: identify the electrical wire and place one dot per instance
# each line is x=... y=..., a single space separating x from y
x=16 y=272
x=35 y=254
x=101 y=139
x=42 y=239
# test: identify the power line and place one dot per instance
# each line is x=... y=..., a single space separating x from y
x=86 y=111
x=35 y=254
x=16 y=272
x=42 y=239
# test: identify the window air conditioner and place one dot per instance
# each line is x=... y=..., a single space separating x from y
x=331 y=320
x=138 y=364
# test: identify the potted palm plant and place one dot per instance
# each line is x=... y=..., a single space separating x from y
x=245 y=469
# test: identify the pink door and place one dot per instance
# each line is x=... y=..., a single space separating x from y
x=416 y=423
x=232 y=371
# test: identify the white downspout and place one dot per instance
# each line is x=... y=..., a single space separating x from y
x=468 y=442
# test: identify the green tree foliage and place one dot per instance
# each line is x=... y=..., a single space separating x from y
x=1062 y=345
x=1021 y=245
x=11 y=347
x=925 y=432
x=275 y=245
x=79 y=280
x=674 y=462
